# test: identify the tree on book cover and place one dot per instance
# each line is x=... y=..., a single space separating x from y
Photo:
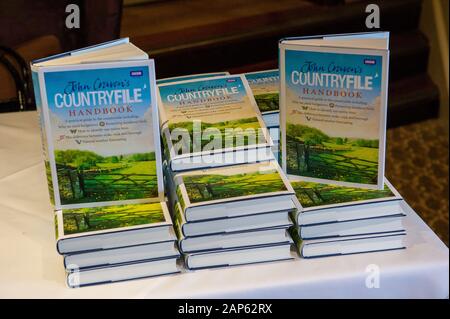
x=333 y=112
x=87 y=176
x=317 y=194
x=82 y=220
x=311 y=152
x=223 y=183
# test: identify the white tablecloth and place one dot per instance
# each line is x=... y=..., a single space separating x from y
x=30 y=266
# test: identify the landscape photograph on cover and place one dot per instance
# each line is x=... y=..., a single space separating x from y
x=265 y=89
x=332 y=133
x=226 y=119
x=228 y=138
x=85 y=176
x=83 y=220
x=316 y=194
x=229 y=182
x=102 y=155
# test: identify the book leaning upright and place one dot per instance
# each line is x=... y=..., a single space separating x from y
x=210 y=122
x=100 y=131
x=333 y=103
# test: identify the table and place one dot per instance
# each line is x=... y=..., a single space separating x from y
x=30 y=266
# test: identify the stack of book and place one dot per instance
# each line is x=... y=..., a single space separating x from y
x=333 y=100
x=100 y=132
x=339 y=220
x=115 y=243
x=230 y=201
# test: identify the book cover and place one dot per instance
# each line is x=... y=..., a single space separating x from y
x=102 y=133
x=315 y=196
x=210 y=116
x=232 y=183
x=265 y=88
x=333 y=111
x=89 y=221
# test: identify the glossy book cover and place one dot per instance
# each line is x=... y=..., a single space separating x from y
x=333 y=119
x=101 y=122
x=73 y=222
x=210 y=115
x=314 y=196
x=233 y=183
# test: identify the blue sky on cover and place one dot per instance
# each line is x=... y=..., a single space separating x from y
x=56 y=82
x=201 y=85
x=295 y=59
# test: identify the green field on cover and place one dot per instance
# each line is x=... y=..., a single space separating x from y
x=312 y=153
x=237 y=133
x=217 y=186
x=85 y=176
x=315 y=194
x=267 y=102
x=110 y=217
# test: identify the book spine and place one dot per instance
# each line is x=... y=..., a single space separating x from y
x=38 y=99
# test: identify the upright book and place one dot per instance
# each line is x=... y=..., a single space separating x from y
x=333 y=102
x=100 y=126
x=211 y=122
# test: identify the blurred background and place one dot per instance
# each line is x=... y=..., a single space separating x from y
x=196 y=36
